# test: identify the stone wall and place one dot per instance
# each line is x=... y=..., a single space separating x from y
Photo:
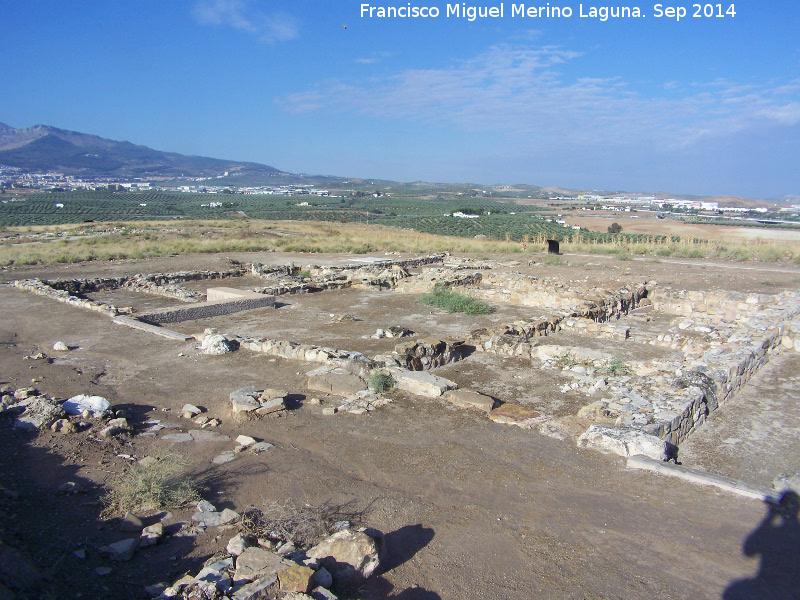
x=158 y=284
x=353 y=362
x=40 y=288
x=719 y=305
x=553 y=295
x=671 y=398
x=203 y=310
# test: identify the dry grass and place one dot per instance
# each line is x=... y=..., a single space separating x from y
x=45 y=245
x=163 y=483
x=303 y=525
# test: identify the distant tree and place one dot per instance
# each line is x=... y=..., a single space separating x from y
x=615 y=228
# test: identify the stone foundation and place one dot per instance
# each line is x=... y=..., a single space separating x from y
x=203 y=310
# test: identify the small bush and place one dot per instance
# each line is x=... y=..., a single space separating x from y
x=304 y=526
x=162 y=483
x=453 y=302
x=566 y=359
x=617 y=367
x=380 y=382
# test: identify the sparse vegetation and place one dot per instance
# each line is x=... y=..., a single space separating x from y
x=160 y=483
x=454 y=302
x=63 y=244
x=567 y=360
x=380 y=382
x=303 y=525
x=553 y=260
x=616 y=368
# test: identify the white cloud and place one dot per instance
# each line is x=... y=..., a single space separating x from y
x=522 y=92
x=239 y=15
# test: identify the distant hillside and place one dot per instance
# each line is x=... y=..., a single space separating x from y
x=43 y=148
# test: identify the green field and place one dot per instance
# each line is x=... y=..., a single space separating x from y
x=497 y=220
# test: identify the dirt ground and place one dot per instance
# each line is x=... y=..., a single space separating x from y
x=753 y=437
x=472 y=509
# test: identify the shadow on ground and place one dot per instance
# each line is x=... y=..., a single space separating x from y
x=50 y=539
x=777 y=542
x=400 y=546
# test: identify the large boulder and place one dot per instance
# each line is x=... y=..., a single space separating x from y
x=349 y=556
x=625 y=442
x=217 y=344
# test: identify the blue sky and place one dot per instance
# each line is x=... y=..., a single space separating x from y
x=696 y=106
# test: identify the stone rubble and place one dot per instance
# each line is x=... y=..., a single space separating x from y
x=718 y=338
x=250 y=569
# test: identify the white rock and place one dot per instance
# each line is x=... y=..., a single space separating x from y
x=215 y=345
x=95 y=405
x=422 y=383
x=60 y=347
x=348 y=555
x=624 y=442
x=237 y=544
x=245 y=440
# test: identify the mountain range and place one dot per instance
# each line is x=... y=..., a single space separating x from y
x=45 y=148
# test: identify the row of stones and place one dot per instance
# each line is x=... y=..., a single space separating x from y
x=596 y=304
x=719 y=305
x=40 y=288
x=159 y=284
x=672 y=398
x=415 y=355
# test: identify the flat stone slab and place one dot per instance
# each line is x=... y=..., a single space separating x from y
x=178 y=437
x=422 y=383
x=256 y=562
x=141 y=326
x=470 y=399
x=338 y=382
x=225 y=457
x=516 y=414
x=257 y=589
x=202 y=435
x=225 y=294
x=703 y=478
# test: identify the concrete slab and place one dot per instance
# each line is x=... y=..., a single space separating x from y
x=702 y=478
x=225 y=294
x=167 y=333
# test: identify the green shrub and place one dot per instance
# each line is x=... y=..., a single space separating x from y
x=380 y=382
x=454 y=302
x=617 y=367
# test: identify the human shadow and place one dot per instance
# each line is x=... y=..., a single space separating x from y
x=402 y=544
x=398 y=547
x=777 y=541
